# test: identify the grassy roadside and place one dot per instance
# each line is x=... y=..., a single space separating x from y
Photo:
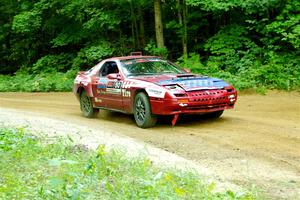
x=31 y=169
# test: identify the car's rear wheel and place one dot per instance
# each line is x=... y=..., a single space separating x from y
x=142 y=111
x=86 y=106
x=214 y=115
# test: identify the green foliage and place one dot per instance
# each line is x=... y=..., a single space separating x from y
x=250 y=6
x=231 y=50
x=92 y=54
x=27 y=22
x=279 y=72
x=151 y=49
x=52 y=64
x=285 y=28
x=44 y=82
x=247 y=42
x=59 y=169
x=193 y=63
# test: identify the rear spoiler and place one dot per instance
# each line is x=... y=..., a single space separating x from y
x=137 y=53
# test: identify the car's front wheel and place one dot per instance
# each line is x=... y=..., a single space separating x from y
x=142 y=111
x=86 y=106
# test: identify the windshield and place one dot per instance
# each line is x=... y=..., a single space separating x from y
x=149 y=66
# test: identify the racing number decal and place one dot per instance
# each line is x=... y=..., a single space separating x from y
x=114 y=87
x=117 y=85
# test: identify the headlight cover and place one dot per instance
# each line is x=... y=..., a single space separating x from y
x=174 y=88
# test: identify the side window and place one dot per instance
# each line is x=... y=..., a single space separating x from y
x=109 y=68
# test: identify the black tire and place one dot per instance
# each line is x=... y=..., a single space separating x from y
x=142 y=111
x=86 y=106
x=214 y=115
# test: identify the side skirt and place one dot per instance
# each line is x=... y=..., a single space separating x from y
x=111 y=109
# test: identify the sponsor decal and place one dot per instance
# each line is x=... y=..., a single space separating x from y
x=97 y=100
x=101 y=86
x=196 y=83
x=114 y=84
x=118 y=85
x=126 y=93
x=85 y=83
x=103 y=81
x=109 y=87
x=110 y=84
x=113 y=91
x=114 y=87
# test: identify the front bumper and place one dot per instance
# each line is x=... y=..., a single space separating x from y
x=195 y=102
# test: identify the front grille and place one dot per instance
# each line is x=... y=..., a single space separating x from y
x=208 y=96
x=206 y=93
x=206 y=107
x=208 y=99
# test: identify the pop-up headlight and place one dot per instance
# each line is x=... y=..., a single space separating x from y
x=174 y=88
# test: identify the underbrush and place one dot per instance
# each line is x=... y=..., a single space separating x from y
x=277 y=73
x=257 y=76
x=248 y=72
x=32 y=169
x=44 y=82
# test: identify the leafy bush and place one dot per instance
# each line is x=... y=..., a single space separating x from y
x=92 y=54
x=278 y=72
x=231 y=49
x=47 y=82
x=26 y=22
x=151 y=49
x=60 y=170
x=52 y=64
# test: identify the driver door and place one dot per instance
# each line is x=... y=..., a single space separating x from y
x=109 y=91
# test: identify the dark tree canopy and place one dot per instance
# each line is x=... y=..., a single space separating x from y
x=238 y=37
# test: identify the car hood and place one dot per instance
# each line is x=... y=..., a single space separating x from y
x=188 y=82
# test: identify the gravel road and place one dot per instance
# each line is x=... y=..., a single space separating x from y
x=256 y=144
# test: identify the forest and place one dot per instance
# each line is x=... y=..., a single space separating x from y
x=253 y=44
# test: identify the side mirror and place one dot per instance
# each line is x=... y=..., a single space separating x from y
x=114 y=76
x=187 y=70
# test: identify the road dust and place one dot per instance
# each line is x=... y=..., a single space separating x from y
x=257 y=144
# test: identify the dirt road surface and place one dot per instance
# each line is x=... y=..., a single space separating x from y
x=255 y=145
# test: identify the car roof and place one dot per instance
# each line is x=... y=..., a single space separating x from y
x=131 y=57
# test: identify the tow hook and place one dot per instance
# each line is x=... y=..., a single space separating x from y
x=175 y=119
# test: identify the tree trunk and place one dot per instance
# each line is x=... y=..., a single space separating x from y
x=158 y=24
x=141 y=26
x=184 y=35
x=133 y=26
x=181 y=7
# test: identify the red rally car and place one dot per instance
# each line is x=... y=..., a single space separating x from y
x=147 y=86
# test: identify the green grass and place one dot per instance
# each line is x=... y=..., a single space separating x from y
x=33 y=169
